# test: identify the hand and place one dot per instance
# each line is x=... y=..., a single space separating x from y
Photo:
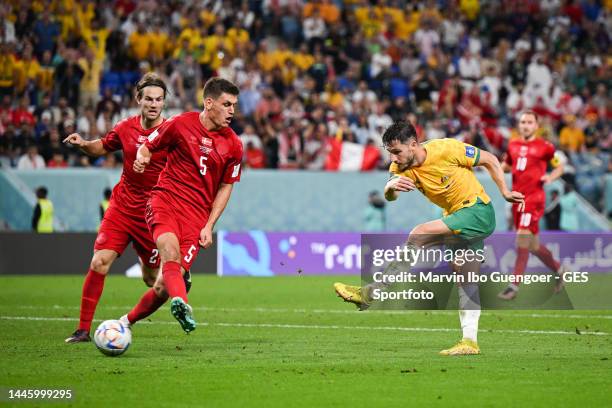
x=515 y=197
x=546 y=179
x=75 y=140
x=140 y=163
x=206 y=236
x=400 y=183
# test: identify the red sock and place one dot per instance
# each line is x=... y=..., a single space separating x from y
x=92 y=290
x=521 y=262
x=148 y=304
x=547 y=258
x=173 y=280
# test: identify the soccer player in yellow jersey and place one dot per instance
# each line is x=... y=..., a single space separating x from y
x=442 y=170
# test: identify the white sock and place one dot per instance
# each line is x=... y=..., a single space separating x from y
x=469 y=310
x=469 y=324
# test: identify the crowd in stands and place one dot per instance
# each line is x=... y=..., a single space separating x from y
x=312 y=72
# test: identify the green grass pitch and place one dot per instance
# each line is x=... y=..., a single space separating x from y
x=290 y=342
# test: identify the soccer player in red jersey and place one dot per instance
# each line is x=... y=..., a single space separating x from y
x=527 y=158
x=204 y=156
x=124 y=221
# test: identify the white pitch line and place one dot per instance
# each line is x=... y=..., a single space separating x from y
x=517 y=314
x=323 y=327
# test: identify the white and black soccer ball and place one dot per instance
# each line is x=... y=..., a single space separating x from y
x=112 y=337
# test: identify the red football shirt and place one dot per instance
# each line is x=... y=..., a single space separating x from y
x=199 y=160
x=529 y=161
x=134 y=189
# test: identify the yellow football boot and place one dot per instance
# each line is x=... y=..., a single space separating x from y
x=464 y=348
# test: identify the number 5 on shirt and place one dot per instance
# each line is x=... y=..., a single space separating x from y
x=190 y=253
x=203 y=165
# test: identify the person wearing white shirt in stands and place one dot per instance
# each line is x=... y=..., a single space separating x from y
x=31 y=160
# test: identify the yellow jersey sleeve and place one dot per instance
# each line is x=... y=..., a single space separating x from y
x=463 y=154
x=556 y=160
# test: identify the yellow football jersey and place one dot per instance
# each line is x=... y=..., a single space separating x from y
x=446 y=176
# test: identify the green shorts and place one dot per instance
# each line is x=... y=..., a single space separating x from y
x=472 y=224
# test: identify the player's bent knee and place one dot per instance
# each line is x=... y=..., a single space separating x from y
x=417 y=236
x=170 y=253
x=100 y=264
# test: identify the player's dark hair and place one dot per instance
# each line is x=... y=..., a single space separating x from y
x=150 y=79
x=41 y=192
x=532 y=113
x=107 y=193
x=216 y=86
x=400 y=131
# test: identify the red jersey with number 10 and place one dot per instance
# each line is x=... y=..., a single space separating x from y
x=134 y=189
x=529 y=161
x=199 y=160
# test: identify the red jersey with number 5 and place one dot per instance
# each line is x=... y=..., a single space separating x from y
x=529 y=161
x=134 y=189
x=199 y=160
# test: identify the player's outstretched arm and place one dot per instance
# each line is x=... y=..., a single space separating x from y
x=506 y=168
x=490 y=162
x=553 y=175
x=219 y=204
x=143 y=158
x=397 y=184
x=91 y=148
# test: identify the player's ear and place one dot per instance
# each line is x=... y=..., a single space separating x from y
x=208 y=103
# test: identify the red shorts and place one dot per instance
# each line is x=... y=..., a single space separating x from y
x=530 y=217
x=118 y=229
x=162 y=217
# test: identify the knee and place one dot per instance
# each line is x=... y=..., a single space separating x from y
x=100 y=264
x=416 y=236
x=170 y=253
x=524 y=242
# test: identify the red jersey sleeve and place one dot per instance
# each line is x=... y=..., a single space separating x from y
x=112 y=142
x=163 y=137
x=549 y=151
x=232 y=168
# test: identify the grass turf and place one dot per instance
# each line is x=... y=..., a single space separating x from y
x=288 y=341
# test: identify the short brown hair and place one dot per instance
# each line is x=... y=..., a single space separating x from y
x=530 y=112
x=402 y=131
x=216 y=86
x=150 y=79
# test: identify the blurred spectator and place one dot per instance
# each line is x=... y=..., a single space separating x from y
x=374 y=214
x=254 y=156
x=57 y=161
x=45 y=33
x=31 y=160
x=289 y=148
x=571 y=137
x=569 y=202
x=90 y=82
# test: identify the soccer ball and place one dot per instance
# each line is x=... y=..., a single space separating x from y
x=112 y=337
